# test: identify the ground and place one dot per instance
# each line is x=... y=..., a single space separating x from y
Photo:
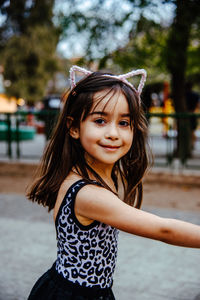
x=146 y=268
x=160 y=189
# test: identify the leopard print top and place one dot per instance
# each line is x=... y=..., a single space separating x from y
x=86 y=254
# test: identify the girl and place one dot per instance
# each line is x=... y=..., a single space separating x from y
x=96 y=157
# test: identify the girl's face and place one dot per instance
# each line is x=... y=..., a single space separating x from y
x=106 y=133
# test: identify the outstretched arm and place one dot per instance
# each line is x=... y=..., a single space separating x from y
x=100 y=204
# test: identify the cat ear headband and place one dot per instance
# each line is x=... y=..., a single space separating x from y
x=122 y=77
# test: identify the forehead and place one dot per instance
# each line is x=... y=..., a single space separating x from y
x=107 y=100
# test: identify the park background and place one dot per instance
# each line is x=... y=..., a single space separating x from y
x=39 y=42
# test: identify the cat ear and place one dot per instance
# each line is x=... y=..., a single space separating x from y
x=122 y=77
x=72 y=72
x=133 y=73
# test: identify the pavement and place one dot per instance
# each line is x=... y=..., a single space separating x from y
x=146 y=269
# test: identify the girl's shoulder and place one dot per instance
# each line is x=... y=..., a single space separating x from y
x=70 y=181
x=66 y=184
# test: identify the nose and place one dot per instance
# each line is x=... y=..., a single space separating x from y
x=112 y=132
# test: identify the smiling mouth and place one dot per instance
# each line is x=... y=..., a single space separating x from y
x=110 y=147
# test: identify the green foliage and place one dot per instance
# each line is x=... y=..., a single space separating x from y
x=100 y=24
x=132 y=37
x=144 y=50
x=120 y=39
x=193 y=54
x=28 y=56
x=29 y=63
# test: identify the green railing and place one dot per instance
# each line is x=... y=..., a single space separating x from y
x=14 y=129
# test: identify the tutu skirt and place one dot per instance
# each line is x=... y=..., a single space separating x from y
x=52 y=286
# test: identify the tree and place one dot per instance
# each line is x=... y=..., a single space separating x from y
x=164 y=49
x=144 y=49
x=134 y=35
x=28 y=41
x=187 y=15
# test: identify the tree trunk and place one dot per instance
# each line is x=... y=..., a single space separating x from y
x=178 y=43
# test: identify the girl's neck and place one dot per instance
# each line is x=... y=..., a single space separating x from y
x=104 y=173
x=103 y=170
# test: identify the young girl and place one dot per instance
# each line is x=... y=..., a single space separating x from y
x=91 y=175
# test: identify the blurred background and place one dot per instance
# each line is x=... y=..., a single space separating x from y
x=39 y=42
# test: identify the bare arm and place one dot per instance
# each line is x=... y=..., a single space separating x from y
x=100 y=204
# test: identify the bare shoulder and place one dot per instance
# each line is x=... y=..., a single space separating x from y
x=94 y=194
x=71 y=179
x=96 y=202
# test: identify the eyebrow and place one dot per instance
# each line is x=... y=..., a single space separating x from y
x=102 y=113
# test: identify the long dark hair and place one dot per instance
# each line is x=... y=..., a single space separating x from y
x=64 y=153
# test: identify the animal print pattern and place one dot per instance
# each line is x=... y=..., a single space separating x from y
x=86 y=254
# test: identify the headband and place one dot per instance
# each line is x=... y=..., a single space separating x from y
x=122 y=77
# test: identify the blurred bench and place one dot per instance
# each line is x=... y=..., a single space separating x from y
x=23 y=133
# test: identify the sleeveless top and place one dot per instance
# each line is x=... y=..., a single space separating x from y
x=85 y=254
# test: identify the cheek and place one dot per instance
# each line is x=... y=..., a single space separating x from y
x=87 y=137
x=128 y=137
x=129 y=141
x=86 y=141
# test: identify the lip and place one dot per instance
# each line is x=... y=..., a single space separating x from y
x=110 y=147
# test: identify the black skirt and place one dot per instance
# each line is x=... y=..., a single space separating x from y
x=53 y=286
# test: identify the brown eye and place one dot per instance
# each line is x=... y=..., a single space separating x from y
x=100 y=121
x=124 y=123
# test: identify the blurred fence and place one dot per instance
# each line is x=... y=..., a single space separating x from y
x=23 y=135
x=175 y=138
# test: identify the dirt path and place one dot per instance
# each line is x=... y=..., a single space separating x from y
x=160 y=190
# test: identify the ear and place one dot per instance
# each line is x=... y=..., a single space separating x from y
x=73 y=131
